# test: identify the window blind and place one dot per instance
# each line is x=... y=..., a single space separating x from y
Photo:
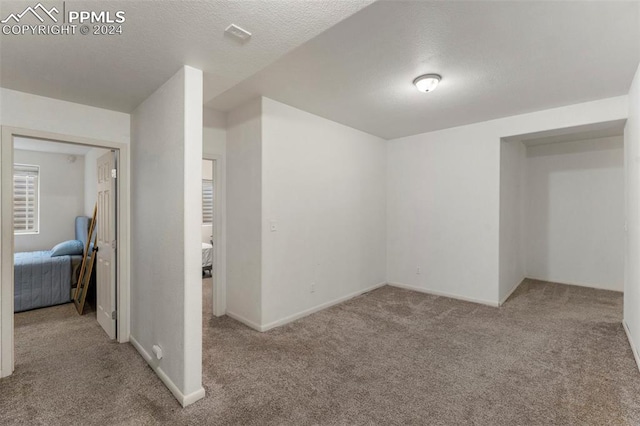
x=25 y=198
x=207 y=201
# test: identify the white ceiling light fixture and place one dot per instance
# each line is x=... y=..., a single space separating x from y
x=427 y=82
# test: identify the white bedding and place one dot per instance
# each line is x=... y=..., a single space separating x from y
x=207 y=255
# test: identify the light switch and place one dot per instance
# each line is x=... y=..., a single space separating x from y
x=273 y=226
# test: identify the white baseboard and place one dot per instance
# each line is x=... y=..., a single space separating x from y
x=573 y=284
x=320 y=307
x=183 y=399
x=504 y=299
x=7 y=371
x=245 y=321
x=192 y=397
x=301 y=314
x=633 y=347
x=494 y=304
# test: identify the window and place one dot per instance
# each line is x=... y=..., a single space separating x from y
x=25 y=199
x=207 y=201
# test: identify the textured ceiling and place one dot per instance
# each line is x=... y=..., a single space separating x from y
x=497 y=59
x=118 y=72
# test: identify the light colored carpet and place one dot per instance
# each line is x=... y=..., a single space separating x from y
x=553 y=354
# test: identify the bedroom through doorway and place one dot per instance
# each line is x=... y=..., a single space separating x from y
x=61 y=255
x=212 y=237
x=207 y=236
x=207 y=217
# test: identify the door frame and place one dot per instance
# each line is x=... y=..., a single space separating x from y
x=7 y=133
x=220 y=235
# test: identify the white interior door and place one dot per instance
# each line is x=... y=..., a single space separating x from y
x=106 y=242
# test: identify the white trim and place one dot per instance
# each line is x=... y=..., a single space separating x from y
x=192 y=397
x=573 y=284
x=37 y=202
x=510 y=292
x=633 y=347
x=444 y=294
x=7 y=134
x=219 y=270
x=245 y=321
x=301 y=314
x=6 y=253
x=320 y=307
x=183 y=399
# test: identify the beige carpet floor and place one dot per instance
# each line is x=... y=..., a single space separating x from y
x=553 y=354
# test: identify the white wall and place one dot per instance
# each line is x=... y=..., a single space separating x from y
x=244 y=213
x=575 y=213
x=512 y=182
x=324 y=186
x=91 y=179
x=443 y=199
x=214 y=132
x=24 y=110
x=443 y=203
x=632 y=217
x=166 y=209
x=61 y=198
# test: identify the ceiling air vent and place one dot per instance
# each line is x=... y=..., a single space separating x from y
x=237 y=32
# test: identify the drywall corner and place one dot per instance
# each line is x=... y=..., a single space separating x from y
x=192 y=187
x=511 y=250
x=166 y=161
x=244 y=211
x=323 y=212
x=632 y=215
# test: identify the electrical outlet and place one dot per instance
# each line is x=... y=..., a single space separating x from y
x=312 y=288
x=418 y=270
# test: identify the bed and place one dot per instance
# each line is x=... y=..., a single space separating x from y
x=41 y=280
x=207 y=258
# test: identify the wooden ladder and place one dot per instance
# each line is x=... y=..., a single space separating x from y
x=86 y=269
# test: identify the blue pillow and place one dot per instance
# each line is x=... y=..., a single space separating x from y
x=68 y=248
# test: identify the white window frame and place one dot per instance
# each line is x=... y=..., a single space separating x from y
x=35 y=229
x=204 y=182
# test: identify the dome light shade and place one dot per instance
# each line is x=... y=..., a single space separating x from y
x=427 y=83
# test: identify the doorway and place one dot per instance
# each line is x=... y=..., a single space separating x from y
x=562 y=208
x=111 y=264
x=213 y=223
